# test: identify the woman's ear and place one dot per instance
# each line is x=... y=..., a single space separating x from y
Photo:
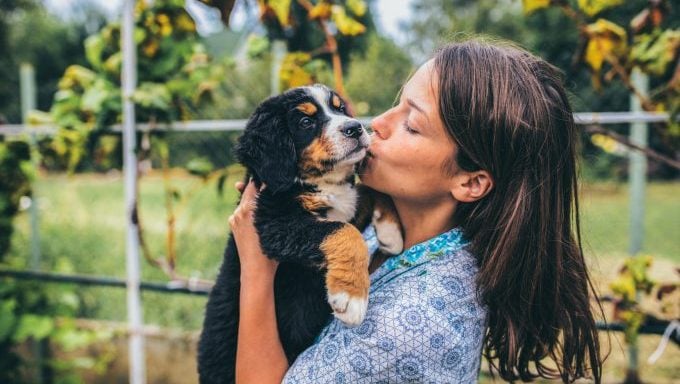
x=469 y=187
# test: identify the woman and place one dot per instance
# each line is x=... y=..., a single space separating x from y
x=479 y=158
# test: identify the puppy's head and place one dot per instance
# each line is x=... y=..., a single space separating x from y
x=304 y=133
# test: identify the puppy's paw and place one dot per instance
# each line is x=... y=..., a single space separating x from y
x=347 y=280
x=351 y=310
x=388 y=232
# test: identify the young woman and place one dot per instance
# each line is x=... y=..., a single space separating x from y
x=479 y=158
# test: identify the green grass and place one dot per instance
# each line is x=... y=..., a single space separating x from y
x=82 y=231
x=605 y=220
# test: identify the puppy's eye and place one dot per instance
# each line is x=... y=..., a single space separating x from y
x=342 y=108
x=306 y=123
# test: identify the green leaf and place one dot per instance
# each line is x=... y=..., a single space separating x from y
x=94 y=97
x=257 y=46
x=71 y=338
x=139 y=35
x=37 y=327
x=161 y=147
x=655 y=51
x=7 y=318
x=94 y=46
x=346 y=25
x=153 y=95
x=358 y=7
x=114 y=63
x=200 y=166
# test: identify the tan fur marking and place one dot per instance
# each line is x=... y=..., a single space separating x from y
x=313 y=203
x=308 y=109
x=347 y=262
x=313 y=156
x=336 y=101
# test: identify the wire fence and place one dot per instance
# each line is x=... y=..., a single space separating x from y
x=81 y=220
x=82 y=223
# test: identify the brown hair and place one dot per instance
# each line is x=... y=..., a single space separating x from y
x=509 y=115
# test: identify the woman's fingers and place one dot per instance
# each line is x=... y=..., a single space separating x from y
x=240 y=186
x=249 y=196
x=247 y=205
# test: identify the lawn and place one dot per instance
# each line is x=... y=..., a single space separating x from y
x=82 y=231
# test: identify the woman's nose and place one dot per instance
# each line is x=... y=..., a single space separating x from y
x=379 y=126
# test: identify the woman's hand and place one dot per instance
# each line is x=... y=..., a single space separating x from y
x=258 y=335
x=255 y=265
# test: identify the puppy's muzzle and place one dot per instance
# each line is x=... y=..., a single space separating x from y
x=352 y=129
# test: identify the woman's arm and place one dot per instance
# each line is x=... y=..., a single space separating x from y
x=259 y=357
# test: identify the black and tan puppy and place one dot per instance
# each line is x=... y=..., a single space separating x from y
x=305 y=148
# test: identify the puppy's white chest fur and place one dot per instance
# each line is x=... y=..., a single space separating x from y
x=341 y=198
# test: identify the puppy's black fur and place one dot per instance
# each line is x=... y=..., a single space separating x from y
x=289 y=233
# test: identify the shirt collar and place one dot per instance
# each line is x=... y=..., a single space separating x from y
x=442 y=244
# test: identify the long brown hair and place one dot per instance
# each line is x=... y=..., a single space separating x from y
x=508 y=113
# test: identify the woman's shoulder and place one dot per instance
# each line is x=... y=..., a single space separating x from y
x=422 y=321
x=452 y=274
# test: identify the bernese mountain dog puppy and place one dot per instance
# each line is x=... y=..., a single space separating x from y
x=305 y=148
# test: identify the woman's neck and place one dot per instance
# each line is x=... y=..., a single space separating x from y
x=422 y=222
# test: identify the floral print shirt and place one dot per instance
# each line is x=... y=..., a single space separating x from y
x=425 y=322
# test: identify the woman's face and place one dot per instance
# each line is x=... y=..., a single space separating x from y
x=410 y=145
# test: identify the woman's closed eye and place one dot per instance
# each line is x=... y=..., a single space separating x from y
x=410 y=129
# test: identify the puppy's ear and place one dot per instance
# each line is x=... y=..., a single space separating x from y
x=266 y=147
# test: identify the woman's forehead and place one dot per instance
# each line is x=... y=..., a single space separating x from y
x=422 y=88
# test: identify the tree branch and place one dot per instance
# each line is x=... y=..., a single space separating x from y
x=332 y=45
x=592 y=129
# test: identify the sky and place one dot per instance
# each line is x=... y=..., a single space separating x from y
x=388 y=13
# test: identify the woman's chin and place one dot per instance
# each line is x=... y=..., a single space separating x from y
x=365 y=177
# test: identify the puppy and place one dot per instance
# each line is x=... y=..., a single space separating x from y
x=305 y=148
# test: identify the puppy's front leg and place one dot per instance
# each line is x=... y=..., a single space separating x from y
x=347 y=280
x=387 y=225
x=378 y=209
x=333 y=247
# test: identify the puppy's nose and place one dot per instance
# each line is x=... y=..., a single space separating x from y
x=352 y=129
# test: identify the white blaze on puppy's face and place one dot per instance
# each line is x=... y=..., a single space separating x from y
x=345 y=148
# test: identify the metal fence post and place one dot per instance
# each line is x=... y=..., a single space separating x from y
x=637 y=176
x=278 y=52
x=29 y=101
x=637 y=166
x=134 y=308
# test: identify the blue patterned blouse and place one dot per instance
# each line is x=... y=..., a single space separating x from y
x=424 y=324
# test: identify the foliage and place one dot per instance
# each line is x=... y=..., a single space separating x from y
x=32 y=312
x=15 y=174
x=635 y=304
x=649 y=41
x=632 y=281
x=174 y=72
x=28 y=311
x=316 y=34
x=552 y=36
x=375 y=77
x=28 y=33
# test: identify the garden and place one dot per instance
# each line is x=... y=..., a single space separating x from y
x=202 y=67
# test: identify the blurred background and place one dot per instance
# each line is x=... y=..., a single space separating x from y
x=202 y=67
